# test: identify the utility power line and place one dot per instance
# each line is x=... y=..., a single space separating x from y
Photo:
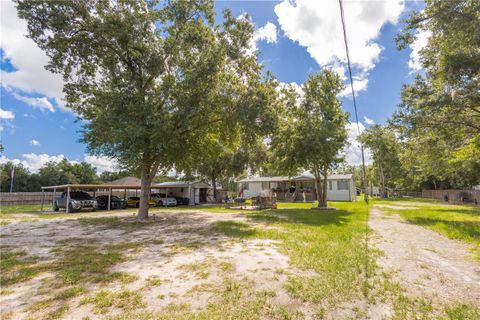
x=365 y=186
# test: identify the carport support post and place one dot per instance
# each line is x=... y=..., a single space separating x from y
x=109 y=197
x=166 y=197
x=43 y=200
x=67 y=205
x=190 y=194
x=54 y=197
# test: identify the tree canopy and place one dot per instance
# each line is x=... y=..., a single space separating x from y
x=312 y=134
x=438 y=120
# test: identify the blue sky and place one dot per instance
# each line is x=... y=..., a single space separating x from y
x=293 y=40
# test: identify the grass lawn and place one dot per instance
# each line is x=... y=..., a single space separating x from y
x=461 y=222
x=25 y=208
x=329 y=266
x=327 y=242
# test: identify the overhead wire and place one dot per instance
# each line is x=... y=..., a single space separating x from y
x=364 y=170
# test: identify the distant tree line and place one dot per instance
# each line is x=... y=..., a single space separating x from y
x=53 y=173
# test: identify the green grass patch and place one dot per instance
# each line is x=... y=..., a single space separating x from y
x=70 y=293
x=24 y=208
x=233 y=299
x=88 y=263
x=17 y=266
x=329 y=242
x=460 y=222
x=104 y=300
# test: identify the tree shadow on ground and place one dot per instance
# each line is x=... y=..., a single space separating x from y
x=303 y=216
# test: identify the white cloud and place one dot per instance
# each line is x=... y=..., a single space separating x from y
x=316 y=25
x=359 y=84
x=26 y=57
x=34 y=142
x=6 y=114
x=267 y=33
x=102 y=163
x=32 y=161
x=422 y=36
x=353 y=151
x=38 y=103
x=6 y=119
x=368 y=120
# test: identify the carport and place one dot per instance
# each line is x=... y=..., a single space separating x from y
x=87 y=187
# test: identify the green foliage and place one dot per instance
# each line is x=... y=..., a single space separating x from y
x=385 y=148
x=439 y=116
x=108 y=176
x=52 y=173
x=312 y=133
x=23 y=180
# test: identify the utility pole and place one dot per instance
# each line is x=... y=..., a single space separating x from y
x=12 y=174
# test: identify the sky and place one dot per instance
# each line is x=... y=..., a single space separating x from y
x=292 y=39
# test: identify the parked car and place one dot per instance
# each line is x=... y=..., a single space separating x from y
x=115 y=202
x=78 y=200
x=161 y=199
x=135 y=202
x=182 y=201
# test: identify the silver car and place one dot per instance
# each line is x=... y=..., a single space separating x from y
x=163 y=200
x=78 y=200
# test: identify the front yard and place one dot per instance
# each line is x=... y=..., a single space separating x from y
x=204 y=263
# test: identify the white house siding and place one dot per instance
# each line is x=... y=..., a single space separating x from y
x=334 y=194
x=254 y=189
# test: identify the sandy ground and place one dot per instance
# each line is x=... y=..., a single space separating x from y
x=424 y=262
x=178 y=253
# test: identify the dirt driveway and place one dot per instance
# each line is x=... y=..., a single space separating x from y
x=183 y=261
x=428 y=265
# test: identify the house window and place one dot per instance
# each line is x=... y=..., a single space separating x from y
x=342 y=184
x=329 y=185
x=245 y=186
x=265 y=186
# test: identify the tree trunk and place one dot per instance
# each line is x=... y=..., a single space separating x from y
x=320 y=188
x=324 y=185
x=146 y=180
x=214 y=185
x=381 y=182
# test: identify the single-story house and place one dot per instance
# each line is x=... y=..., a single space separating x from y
x=341 y=187
x=197 y=192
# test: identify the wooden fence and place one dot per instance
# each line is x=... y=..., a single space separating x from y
x=16 y=198
x=454 y=196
